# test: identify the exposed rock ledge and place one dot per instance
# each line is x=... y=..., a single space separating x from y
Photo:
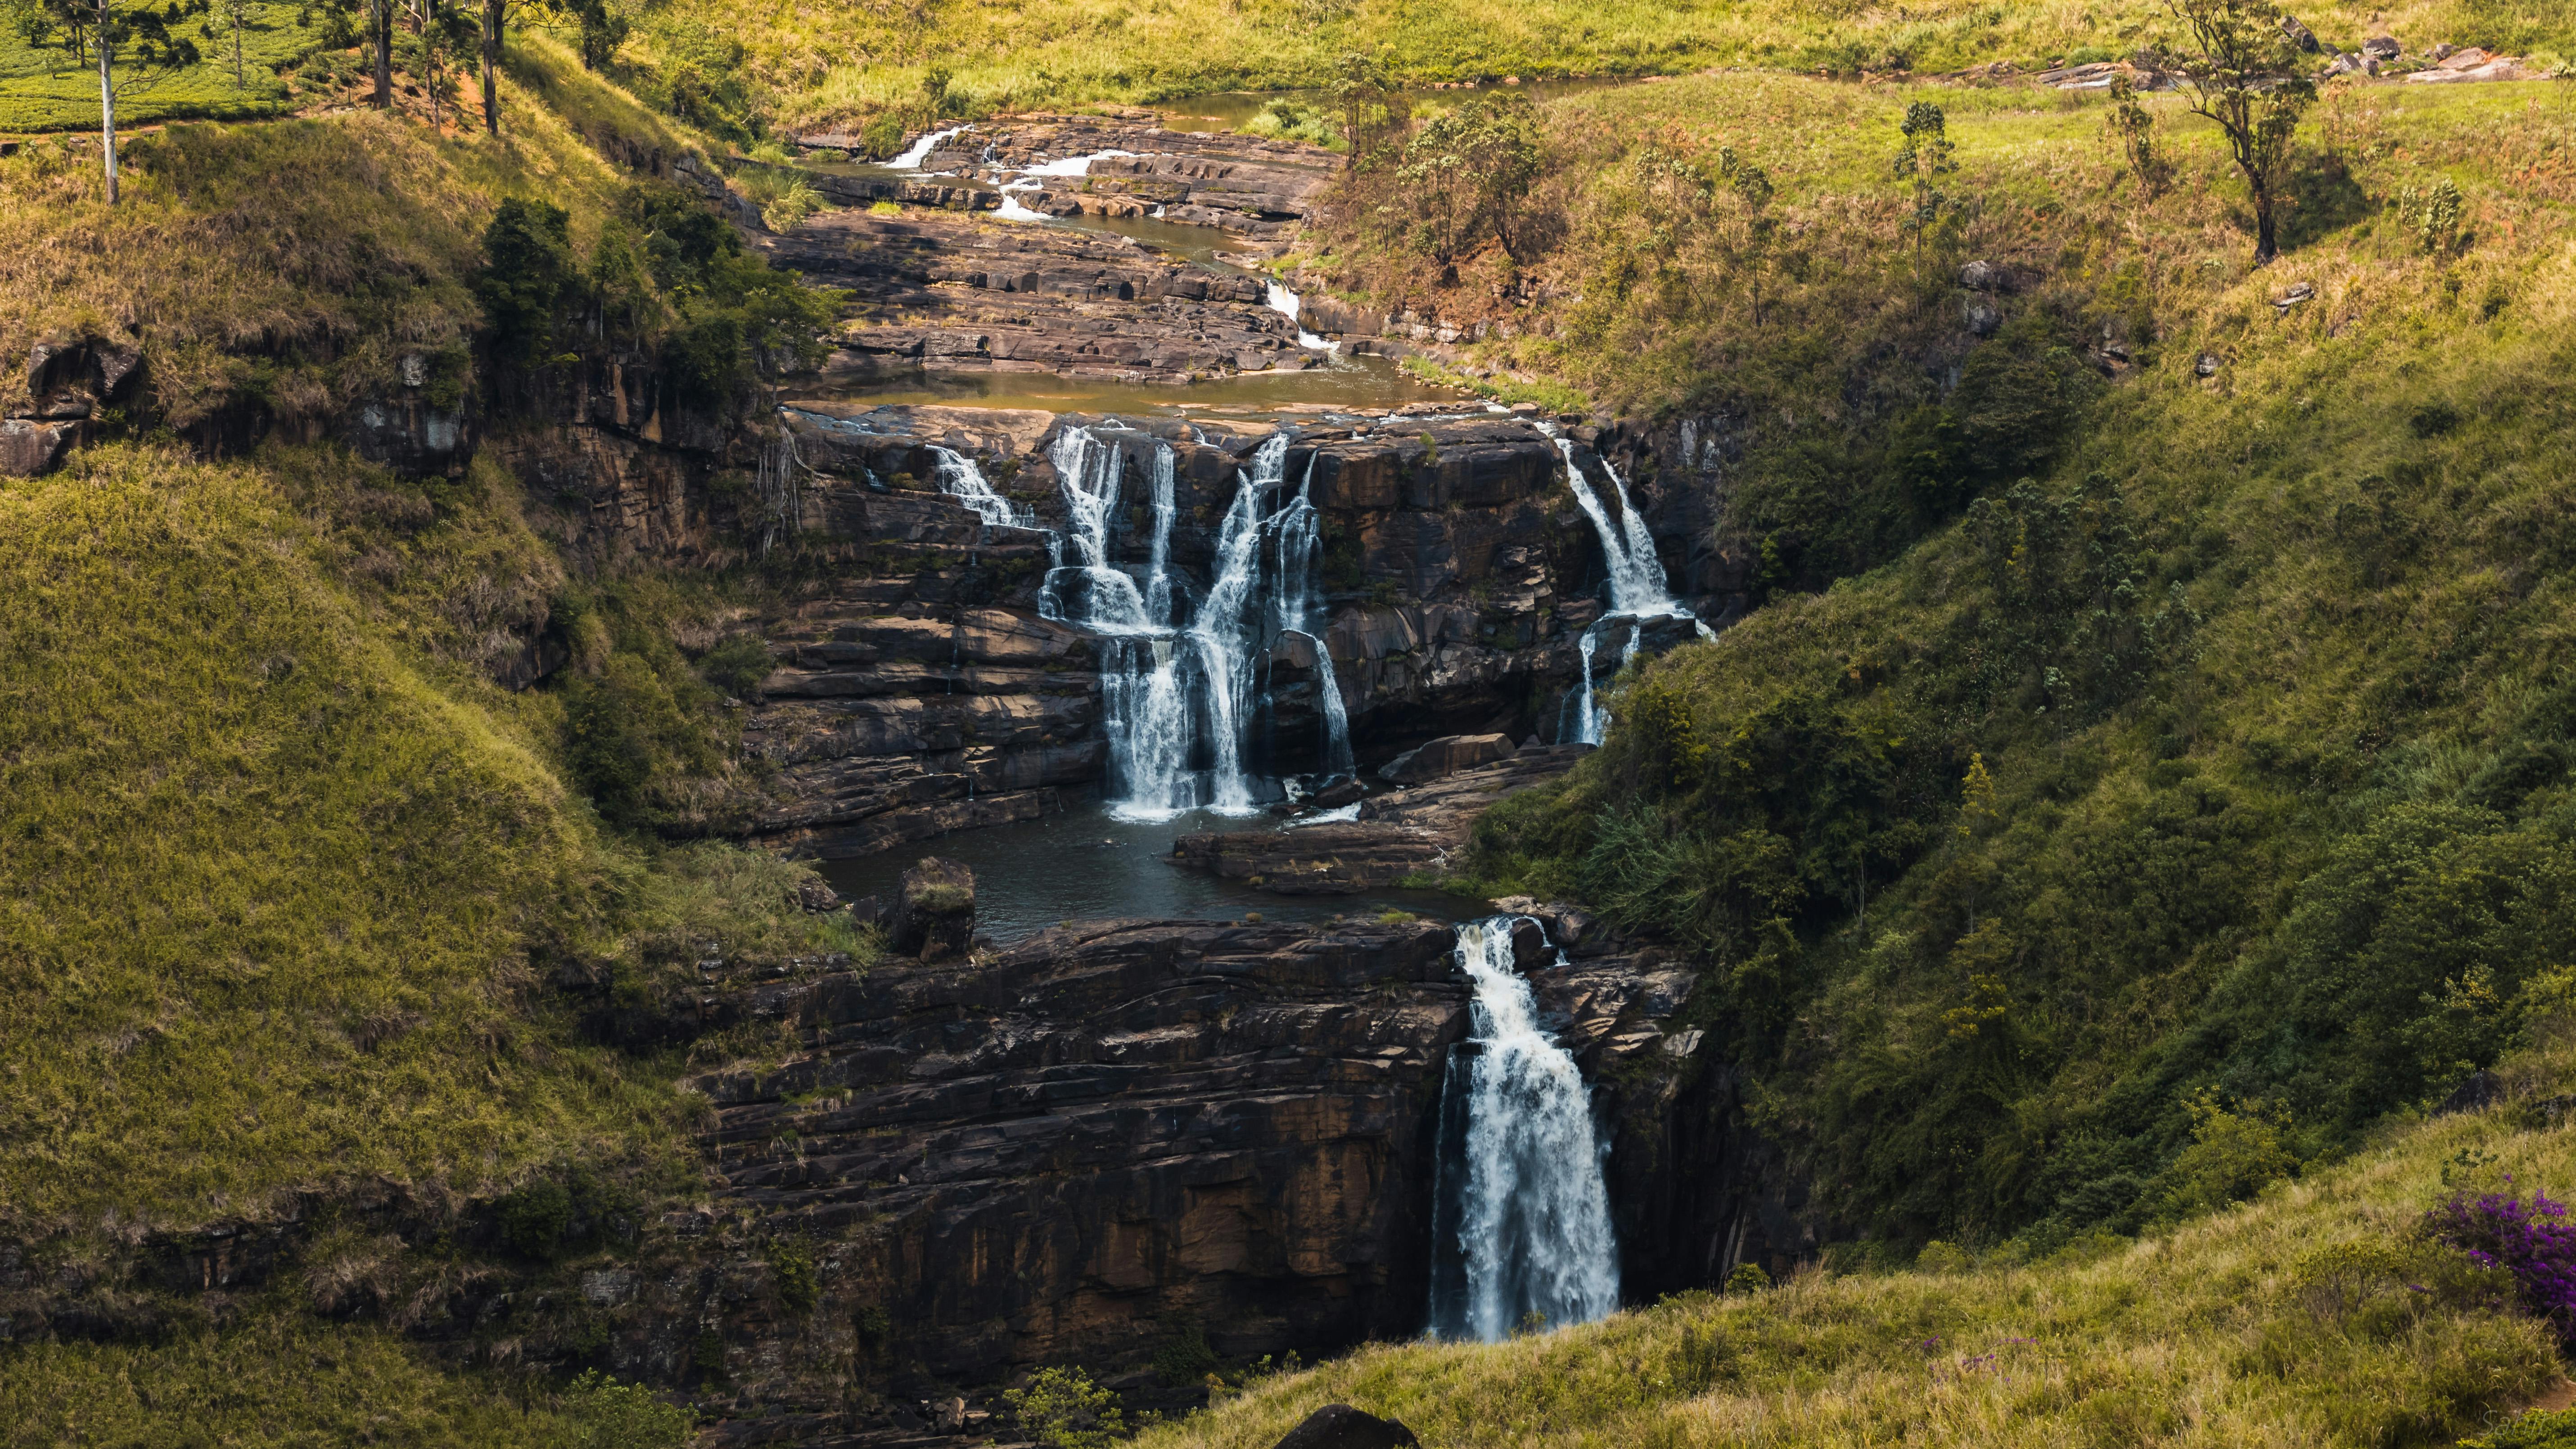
x=1402 y=833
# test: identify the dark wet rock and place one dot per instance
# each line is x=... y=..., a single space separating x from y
x=1339 y=1426
x=1401 y=833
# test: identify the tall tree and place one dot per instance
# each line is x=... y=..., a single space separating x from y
x=129 y=32
x=380 y=30
x=495 y=14
x=2247 y=77
x=236 y=17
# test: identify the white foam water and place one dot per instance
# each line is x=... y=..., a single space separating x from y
x=1521 y=1228
x=919 y=151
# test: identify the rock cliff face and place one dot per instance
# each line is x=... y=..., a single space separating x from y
x=1122 y=1135
x=919 y=690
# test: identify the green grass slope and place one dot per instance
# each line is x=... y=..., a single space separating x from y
x=810 y=66
x=2202 y=775
x=271 y=892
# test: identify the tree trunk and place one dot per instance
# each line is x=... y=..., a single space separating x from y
x=383 y=25
x=2266 y=244
x=107 y=100
x=491 y=65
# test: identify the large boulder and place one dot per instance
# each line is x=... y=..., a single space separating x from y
x=934 y=911
x=28 y=448
x=1446 y=755
x=1339 y=1426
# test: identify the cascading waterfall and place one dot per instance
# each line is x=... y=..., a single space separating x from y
x=960 y=479
x=920 y=150
x=1280 y=299
x=1520 y=1213
x=1637 y=584
x=1227 y=628
x=1638 y=588
x=1293 y=608
x=1177 y=701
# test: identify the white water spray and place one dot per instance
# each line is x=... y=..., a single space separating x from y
x=1520 y=1215
x=920 y=150
x=960 y=479
x=1280 y=299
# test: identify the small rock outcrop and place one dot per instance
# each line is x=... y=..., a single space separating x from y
x=1339 y=1426
x=1447 y=755
x=1400 y=833
x=934 y=912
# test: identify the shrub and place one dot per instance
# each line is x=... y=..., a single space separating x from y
x=1747 y=1278
x=1064 y=1409
x=612 y=1415
x=2531 y=1241
x=800 y=1284
x=1185 y=1357
x=737 y=665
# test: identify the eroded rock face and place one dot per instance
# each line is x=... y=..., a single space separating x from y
x=1109 y=1135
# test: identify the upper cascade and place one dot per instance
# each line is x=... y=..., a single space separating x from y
x=1180 y=699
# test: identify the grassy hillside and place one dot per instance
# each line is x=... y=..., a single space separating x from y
x=288 y=869
x=2318 y=1315
x=809 y=66
x=2203 y=769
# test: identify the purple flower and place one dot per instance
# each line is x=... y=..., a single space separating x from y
x=2532 y=1241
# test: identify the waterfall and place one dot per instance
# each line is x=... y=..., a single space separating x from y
x=1293 y=610
x=1520 y=1215
x=1279 y=299
x=1636 y=574
x=1089 y=468
x=1590 y=721
x=960 y=479
x=920 y=150
x=1227 y=629
x=1071 y=165
x=1178 y=702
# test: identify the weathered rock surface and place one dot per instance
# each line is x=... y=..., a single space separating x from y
x=946 y=293
x=1399 y=834
x=1107 y=1136
x=1447 y=755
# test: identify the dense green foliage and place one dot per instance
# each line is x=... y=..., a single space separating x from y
x=667 y=277
x=2187 y=804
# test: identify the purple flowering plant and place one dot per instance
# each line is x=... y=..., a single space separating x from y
x=2532 y=1241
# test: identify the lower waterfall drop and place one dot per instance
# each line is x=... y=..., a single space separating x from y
x=1520 y=1218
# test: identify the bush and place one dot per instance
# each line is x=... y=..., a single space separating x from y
x=610 y=1415
x=2532 y=1241
x=737 y=665
x=1185 y=1357
x=1065 y=1410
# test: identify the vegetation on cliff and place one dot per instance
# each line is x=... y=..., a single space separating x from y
x=2202 y=769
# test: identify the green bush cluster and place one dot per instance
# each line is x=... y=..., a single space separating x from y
x=667 y=277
